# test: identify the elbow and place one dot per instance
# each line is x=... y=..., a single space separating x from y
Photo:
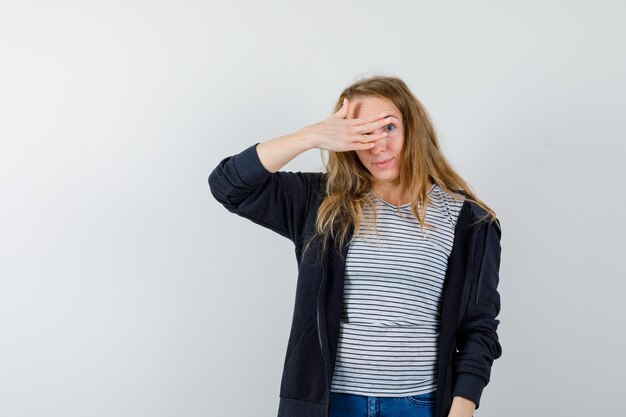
x=217 y=185
x=213 y=180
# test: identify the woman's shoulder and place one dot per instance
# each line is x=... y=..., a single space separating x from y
x=448 y=203
x=467 y=207
x=480 y=214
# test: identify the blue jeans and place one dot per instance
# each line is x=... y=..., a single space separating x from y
x=352 y=405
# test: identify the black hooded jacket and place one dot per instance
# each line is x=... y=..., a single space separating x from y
x=287 y=202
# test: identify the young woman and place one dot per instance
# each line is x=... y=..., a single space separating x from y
x=398 y=261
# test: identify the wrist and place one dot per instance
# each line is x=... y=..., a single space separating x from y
x=462 y=407
x=305 y=139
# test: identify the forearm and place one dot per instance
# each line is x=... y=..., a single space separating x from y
x=462 y=407
x=276 y=153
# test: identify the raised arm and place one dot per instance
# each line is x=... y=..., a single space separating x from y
x=336 y=133
x=251 y=185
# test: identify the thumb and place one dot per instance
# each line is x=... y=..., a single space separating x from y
x=343 y=111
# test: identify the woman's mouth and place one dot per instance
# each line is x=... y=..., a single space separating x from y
x=383 y=164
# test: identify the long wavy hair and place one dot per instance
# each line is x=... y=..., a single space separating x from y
x=348 y=182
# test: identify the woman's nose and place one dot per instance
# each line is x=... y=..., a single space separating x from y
x=380 y=146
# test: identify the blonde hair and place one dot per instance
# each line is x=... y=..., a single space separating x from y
x=348 y=182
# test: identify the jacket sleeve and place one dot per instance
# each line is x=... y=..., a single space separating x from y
x=477 y=339
x=277 y=201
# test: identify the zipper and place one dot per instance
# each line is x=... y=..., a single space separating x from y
x=327 y=369
x=319 y=333
x=468 y=277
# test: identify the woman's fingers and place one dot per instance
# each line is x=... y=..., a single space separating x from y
x=365 y=141
x=369 y=119
x=337 y=133
x=371 y=136
x=371 y=125
x=352 y=142
x=356 y=146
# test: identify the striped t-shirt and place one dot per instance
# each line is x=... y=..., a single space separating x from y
x=390 y=318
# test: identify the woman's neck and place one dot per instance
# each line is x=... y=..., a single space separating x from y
x=393 y=193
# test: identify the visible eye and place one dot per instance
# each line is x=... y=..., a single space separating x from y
x=390 y=125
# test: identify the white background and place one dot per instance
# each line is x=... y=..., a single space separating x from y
x=127 y=290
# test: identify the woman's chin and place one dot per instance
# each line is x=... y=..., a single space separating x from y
x=390 y=178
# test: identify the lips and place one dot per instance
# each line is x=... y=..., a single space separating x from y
x=383 y=163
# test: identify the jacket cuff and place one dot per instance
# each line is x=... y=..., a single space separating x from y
x=249 y=167
x=469 y=386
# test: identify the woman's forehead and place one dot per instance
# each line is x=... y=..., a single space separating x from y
x=372 y=106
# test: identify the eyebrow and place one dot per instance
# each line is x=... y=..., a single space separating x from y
x=391 y=115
